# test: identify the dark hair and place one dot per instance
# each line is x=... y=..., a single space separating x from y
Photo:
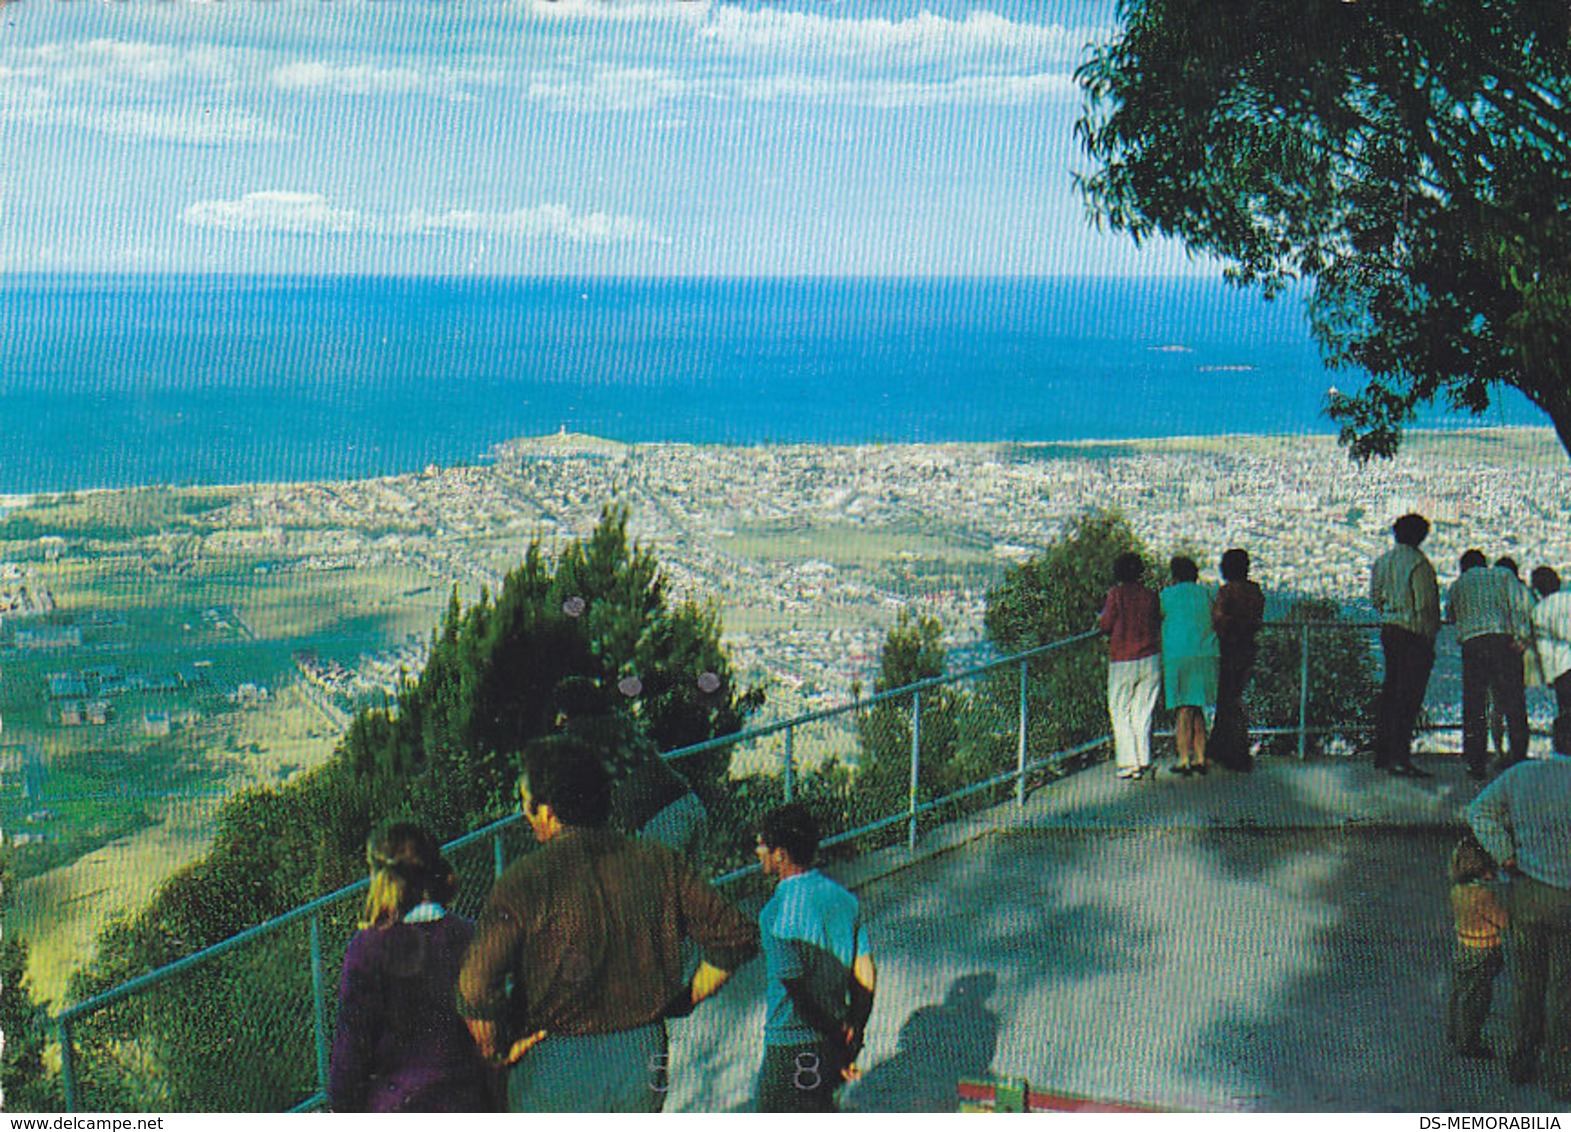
x=1509 y=563
x=1235 y=565
x=1411 y=529
x=1546 y=581
x=1183 y=569
x=407 y=867
x=1469 y=862
x=569 y=775
x=1472 y=560
x=1562 y=735
x=792 y=828
x=1128 y=568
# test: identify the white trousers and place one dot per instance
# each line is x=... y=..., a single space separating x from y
x=1132 y=687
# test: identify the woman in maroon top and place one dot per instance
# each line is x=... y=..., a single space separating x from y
x=1132 y=619
x=401 y=1046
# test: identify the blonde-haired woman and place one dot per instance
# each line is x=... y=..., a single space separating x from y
x=401 y=1046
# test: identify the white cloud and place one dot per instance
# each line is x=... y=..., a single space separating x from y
x=368 y=79
x=230 y=126
x=226 y=125
x=310 y=214
x=637 y=89
x=136 y=90
x=610 y=88
x=924 y=37
x=126 y=63
x=546 y=221
x=772 y=31
x=275 y=211
x=771 y=55
x=969 y=90
x=617 y=11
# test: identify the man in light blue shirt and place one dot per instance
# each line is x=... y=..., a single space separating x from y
x=1523 y=818
x=820 y=971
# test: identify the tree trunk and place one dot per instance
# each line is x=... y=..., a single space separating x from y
x=1551 y=392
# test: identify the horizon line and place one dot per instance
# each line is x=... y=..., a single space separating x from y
x=931 y=277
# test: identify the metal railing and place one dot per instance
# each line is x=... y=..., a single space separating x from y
x=1005 y=715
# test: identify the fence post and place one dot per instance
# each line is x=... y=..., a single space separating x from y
x=68 y=1066
x=1303 y=691
x=319 y=994
x=790 y=764
x=1020 y=748
x=916 y=766
x=498 y=854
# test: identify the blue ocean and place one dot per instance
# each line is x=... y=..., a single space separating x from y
x=118 y=381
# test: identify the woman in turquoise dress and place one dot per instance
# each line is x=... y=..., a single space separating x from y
x=1189 y=662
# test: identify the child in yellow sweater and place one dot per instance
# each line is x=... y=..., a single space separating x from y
x=1478 y=959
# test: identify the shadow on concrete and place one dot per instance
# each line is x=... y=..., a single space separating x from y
x=1361 y=1025
x=937 y=1047
x=1275 y=942
x=1357 y=862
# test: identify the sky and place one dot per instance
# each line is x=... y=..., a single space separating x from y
x=539 y=137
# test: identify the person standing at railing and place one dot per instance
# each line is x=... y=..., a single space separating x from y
x=1132 y=619
x=1402 y=587
x=1552 y=638
x=588 y=929
x=1236 y=615
x=649 y=798
x=1189 y=662
x=1494 y=623
x=401 y=1046
x=1524 y=596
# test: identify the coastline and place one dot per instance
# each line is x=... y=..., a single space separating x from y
x=568 y=441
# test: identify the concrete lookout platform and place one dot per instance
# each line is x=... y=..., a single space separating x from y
x=1270 y=942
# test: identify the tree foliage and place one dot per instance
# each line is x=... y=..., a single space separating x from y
x=913 y=652
x=1050 y=598
x=23 y=1084
x=1059 y=593
x=1410 y=160
x=1342 y=679
x=599 y=612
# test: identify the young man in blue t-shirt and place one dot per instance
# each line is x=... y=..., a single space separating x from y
x=820 y=970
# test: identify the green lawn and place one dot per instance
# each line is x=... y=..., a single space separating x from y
x=219 y=624
x=114 y=515
x=846 y=545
